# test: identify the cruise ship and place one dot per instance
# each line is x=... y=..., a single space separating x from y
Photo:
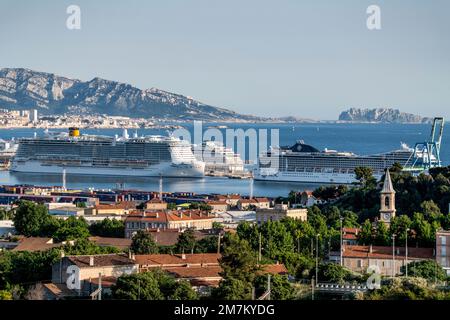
x=144 y=156
x=304 y=163
x=220 y=159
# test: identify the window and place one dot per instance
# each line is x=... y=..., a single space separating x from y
x=386 y=202
x=359 y=263
x=443 y=240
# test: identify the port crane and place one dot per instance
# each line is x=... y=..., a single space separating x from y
x=426 y=155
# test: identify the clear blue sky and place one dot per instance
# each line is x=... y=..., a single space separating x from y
x=270 y=58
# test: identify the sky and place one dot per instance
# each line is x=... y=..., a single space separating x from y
x=308 y=59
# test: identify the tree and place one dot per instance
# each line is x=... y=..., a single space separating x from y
x=365 y=237
x=239 y=269
x=141 y=286
x=405 y=289
x=143 y=243
x=238 y=260
x=86 y=247
x=5 y=295
x=430 y=211
x=382 y=235
x=152 y=285
x=365 y=176
x=280 y=287
x=108 y=228
x=30 y=219
x=233 y=289
x=427 y=269
x=334 y=272
x=71 y=229
x=186 y=241
x=275 y=239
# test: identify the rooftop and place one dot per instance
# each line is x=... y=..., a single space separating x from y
x=386 y=252
x=101 y=260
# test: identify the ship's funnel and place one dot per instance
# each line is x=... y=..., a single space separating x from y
x=74 y=132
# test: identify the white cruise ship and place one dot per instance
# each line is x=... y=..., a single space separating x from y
x=220 y=159
x=144 y=156
x=304 y=163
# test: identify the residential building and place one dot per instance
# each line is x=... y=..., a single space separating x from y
x=246 y=204
x=218 y=206
x=443 y=250
x=350 y=236
x=280 y=211
x=155 y=204
x=359 y=258
x=174 y=219
x=307 y=199
x=121 y=208
x=92 y=267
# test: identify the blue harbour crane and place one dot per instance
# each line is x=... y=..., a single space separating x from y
x=426 y=154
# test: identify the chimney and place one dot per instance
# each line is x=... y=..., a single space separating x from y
x=157 y=214
x=133 y=256
x=91 y=261
x=129 y=254
x=397 y=251
x=183 y=256
x=370 y=249
x=181 y=214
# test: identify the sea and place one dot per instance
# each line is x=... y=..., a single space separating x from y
x=362 y=139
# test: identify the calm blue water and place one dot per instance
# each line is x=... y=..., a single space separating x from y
x=358 y=138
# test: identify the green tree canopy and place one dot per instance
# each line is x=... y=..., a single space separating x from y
x=143 y=243
x=112 y=228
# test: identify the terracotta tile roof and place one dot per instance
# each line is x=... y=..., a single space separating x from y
x=107 y=282
x=169 y=237
x=195 y=272
x=102 y=260
x=217 y=203
x=36 y=244
x=386 y=252
x=155 y=200
x=274 y=269
x=165 y=216
x=168 y=260
x=126 y=205
x=120 y=243
x=204 y=283
x=247 y=201
x=262 y=200
x=59 y=290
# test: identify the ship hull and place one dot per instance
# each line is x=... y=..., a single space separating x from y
x=165 y=169
x=310 y=177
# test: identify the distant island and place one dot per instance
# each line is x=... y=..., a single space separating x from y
x=381 y=115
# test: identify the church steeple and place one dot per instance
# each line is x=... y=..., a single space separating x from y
x=387 y=199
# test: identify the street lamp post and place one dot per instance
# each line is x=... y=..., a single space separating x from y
x=406 y=252
x=393 y=255
x=317 y=258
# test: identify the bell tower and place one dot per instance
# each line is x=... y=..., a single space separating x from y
x=387 y=200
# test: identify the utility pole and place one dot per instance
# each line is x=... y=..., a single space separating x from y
x=218 y=243
x=317 y=258
x=100 y=286
x=312 y=288
x=160 y=187
x=406 y=251
x=259 y=249
x=64 y=178
x=393 y=255
x=268 y=286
